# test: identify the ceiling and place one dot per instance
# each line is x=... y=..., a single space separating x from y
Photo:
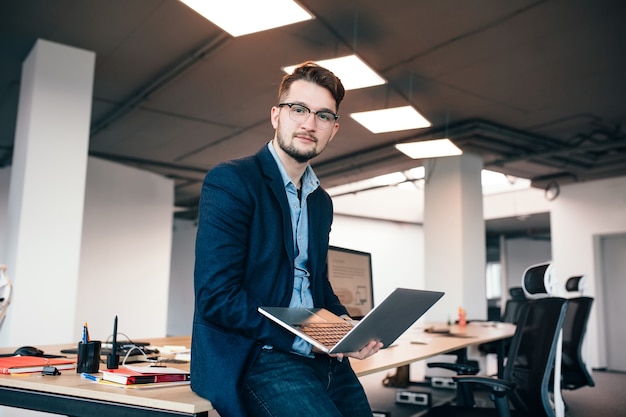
x=535 y=87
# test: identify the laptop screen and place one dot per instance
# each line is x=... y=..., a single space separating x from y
x=350 y=274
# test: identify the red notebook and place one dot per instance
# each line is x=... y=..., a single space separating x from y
x=25 y=364
x=127 y=376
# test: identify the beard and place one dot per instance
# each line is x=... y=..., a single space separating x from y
x=292 y=151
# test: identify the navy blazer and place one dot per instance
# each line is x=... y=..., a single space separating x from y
x=245 y=259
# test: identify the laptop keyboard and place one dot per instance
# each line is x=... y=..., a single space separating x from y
x=328 y=334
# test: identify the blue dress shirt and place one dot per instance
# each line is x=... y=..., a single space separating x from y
x=301 y=296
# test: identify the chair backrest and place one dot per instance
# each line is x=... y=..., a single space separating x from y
x=577 y=283
x=538 y=281
x=5 y=292
x=574 y=372
x=532 y=355
x=513 y=305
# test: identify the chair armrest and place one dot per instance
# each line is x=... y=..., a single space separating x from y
x=496 y=385
x=459 y=368
x=499 y=390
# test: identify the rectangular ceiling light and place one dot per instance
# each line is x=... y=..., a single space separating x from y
x=241 y=17
x=429 y=149
x=391 y=120
x=351 y=70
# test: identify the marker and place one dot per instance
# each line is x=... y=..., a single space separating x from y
x=90 y=377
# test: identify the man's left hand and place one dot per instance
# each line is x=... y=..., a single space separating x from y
x=369 y=349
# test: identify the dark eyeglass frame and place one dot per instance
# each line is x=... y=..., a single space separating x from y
x=332 y=116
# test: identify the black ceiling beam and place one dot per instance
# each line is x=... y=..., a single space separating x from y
x=175 y=71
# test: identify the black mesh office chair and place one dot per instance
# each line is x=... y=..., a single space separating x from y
x=574 y=372
x=526 y=383
x=462 y=366
x=538 y=281
x=513 y=305
x=535 y=349
x=511 y=312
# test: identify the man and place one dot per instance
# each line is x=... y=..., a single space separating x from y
x=262 y=240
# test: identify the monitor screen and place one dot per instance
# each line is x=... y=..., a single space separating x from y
x=350 y=274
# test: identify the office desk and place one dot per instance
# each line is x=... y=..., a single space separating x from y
x=416 y=345
x=71 y=395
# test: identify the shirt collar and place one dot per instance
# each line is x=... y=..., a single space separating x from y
x=309 y=180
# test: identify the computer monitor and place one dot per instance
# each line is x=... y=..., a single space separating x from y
x=350 y=274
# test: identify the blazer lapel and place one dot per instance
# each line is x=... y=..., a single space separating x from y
x=275 y=183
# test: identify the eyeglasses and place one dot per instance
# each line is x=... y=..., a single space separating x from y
x=300 y=113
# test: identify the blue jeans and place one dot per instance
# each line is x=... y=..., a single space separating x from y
x=281 y=384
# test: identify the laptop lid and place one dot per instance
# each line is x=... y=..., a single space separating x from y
x=386 y=322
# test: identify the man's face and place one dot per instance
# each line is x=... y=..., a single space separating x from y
x=304 y=140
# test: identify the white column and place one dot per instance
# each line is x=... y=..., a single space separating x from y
x=454 y=236
x=46 y=196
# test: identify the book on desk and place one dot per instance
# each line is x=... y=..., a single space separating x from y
x=28 y=364
x=145 y=375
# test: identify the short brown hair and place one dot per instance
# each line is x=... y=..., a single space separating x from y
x=310 y=71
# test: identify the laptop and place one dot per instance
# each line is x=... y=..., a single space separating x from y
x=331 y=334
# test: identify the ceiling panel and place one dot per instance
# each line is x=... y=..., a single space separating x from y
x=535 y=87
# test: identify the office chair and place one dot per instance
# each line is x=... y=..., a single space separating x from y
x=511 y=312
x=538 y=281
x=574 y=372
x=5 y=292
x=513 y=305
x=462 y=366
x=526 y=382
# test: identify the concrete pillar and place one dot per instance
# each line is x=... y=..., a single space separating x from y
x=454 y=236
x=46 y=195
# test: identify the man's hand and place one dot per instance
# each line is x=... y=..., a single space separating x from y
x=369 y=349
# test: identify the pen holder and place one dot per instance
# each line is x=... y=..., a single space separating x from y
x=88 y=357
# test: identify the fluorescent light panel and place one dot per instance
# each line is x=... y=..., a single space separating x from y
x=241 y=17
x=391 y=120
x=351 y=70
x=429 y=149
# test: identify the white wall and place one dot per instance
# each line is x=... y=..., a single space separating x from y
x=125 y=253
x=397 y=250
x=580 y=214
x=520 y=254
x=181 y=301
x=517 y=203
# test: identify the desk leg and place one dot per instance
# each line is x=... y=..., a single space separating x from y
x=500 y=356
x=401 y=379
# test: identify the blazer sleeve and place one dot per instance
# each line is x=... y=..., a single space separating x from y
x=238 y=263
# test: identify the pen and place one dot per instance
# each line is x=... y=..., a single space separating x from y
x=85 y=333
x=90 y=377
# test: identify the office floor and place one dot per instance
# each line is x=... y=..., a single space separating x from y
x=605 y=399
x=382 y=398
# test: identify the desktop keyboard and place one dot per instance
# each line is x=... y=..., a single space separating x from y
x=328 y=334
